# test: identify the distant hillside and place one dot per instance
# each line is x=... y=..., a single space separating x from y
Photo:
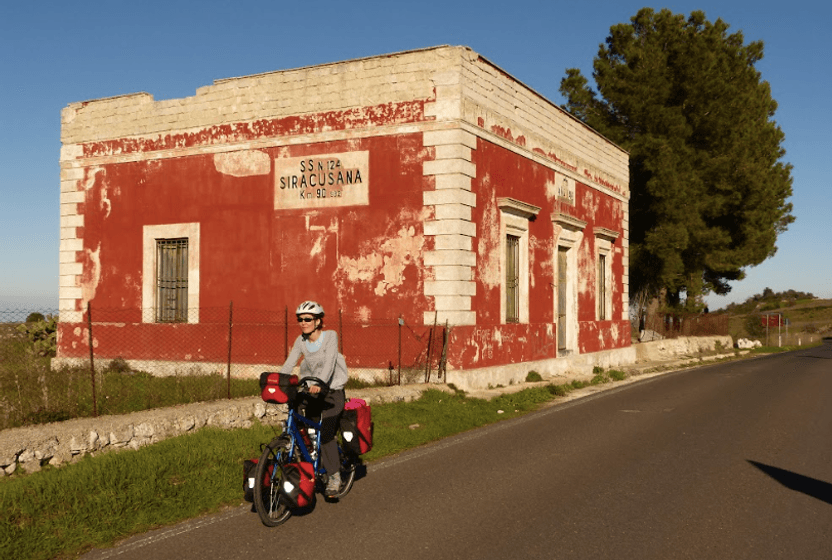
x=803 y=311
x=770 y=300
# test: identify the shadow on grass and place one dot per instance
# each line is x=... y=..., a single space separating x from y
x=797 y=482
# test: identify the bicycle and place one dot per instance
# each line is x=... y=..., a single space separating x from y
x=299 y=441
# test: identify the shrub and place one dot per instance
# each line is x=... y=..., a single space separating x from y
x=617 y=375
x=599 y=379
x=35 y=317
x=533 y=376
x=597 y=369
x=754 y=326
x=42 y=335
x=557 y=390
x=118 y=365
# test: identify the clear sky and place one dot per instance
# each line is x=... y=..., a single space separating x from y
x=58 y=52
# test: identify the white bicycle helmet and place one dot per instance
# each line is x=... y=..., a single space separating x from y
x=310 y=307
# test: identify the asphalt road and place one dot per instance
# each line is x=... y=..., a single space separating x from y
x=725 y=461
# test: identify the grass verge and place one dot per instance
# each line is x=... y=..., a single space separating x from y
x=61 y=513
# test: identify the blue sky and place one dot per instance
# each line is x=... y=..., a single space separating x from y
x=58 y=52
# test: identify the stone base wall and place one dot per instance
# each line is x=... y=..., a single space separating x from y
x=557 y=370
x=673 y=348
x=32 y=447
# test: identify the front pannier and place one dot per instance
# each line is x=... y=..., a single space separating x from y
x=249 y=470
x=357 y=427
x=278 y=388
x=298 y=484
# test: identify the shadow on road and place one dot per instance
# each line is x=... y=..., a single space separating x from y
x=797 y=482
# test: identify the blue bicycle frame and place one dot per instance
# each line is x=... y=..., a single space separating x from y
x=295 y=422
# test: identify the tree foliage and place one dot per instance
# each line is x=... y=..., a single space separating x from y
x=708 y=187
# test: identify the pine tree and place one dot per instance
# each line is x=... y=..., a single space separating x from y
x=708 y=187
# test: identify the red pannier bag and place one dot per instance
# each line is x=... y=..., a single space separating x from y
x=249 y=470
x=278 y=388
x=357 y=427
x=298 y=484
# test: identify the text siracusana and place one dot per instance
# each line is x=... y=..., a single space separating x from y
x=321 y=173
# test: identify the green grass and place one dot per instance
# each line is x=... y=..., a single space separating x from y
x=776 y=349
x=34 y=393
x=96 y=502
x=99 y=500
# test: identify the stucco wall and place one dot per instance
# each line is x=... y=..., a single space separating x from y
x=444 y=135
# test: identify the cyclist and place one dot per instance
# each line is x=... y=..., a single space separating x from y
x=321 y=359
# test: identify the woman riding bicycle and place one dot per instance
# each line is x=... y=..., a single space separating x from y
x=321 y=359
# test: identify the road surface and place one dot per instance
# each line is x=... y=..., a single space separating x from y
x=726 y=461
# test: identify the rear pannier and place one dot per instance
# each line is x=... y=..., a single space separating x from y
x=298 y=484
x=357 y=427
x=278 y=388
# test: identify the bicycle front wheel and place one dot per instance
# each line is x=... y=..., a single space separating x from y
x=270 y=505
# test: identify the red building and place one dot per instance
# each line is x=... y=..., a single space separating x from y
x=428 y=185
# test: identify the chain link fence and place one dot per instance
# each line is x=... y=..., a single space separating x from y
x=656 y=326
x=51 y=370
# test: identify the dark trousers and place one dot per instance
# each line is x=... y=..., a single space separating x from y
x=328 y=410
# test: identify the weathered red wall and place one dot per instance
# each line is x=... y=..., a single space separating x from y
x=364 y=259
x=503 y=173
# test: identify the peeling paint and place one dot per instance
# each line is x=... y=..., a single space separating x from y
x=243 y=163
x=488 y=254
x=356 y=117
x=91 y=174
x=387 y=260
x=92 y=274
x=106 y=204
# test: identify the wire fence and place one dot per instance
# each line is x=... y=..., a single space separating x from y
x=50 y=370
x=655 y=326
x=111 y=361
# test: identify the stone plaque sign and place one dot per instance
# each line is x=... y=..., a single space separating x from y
x=566 y=188
x=322 y=181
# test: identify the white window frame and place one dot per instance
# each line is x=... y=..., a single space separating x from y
x=150 y=235
x=569 y=235
x=514 y=220
x=604 y=239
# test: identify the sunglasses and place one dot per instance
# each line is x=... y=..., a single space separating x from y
x=305 y=319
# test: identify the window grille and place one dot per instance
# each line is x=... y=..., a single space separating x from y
x=172 y=280
x=512 y=279
x=602 y=287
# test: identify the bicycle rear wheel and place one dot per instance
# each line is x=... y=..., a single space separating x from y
x=270 y=505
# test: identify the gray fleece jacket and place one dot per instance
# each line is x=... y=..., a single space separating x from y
x=325 y=362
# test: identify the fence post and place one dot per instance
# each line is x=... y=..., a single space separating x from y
x=230 y=324
x=401 y=323
x=92 y=360
x=341 y=331
x=430 y=347
x=442 y=372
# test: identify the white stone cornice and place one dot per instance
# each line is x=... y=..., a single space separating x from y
x=567 y=221
x=606 y=233
x=517 y=207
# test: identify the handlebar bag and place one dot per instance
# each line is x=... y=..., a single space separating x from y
x=278 y=388
x=357 y=427
x=298 y=484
